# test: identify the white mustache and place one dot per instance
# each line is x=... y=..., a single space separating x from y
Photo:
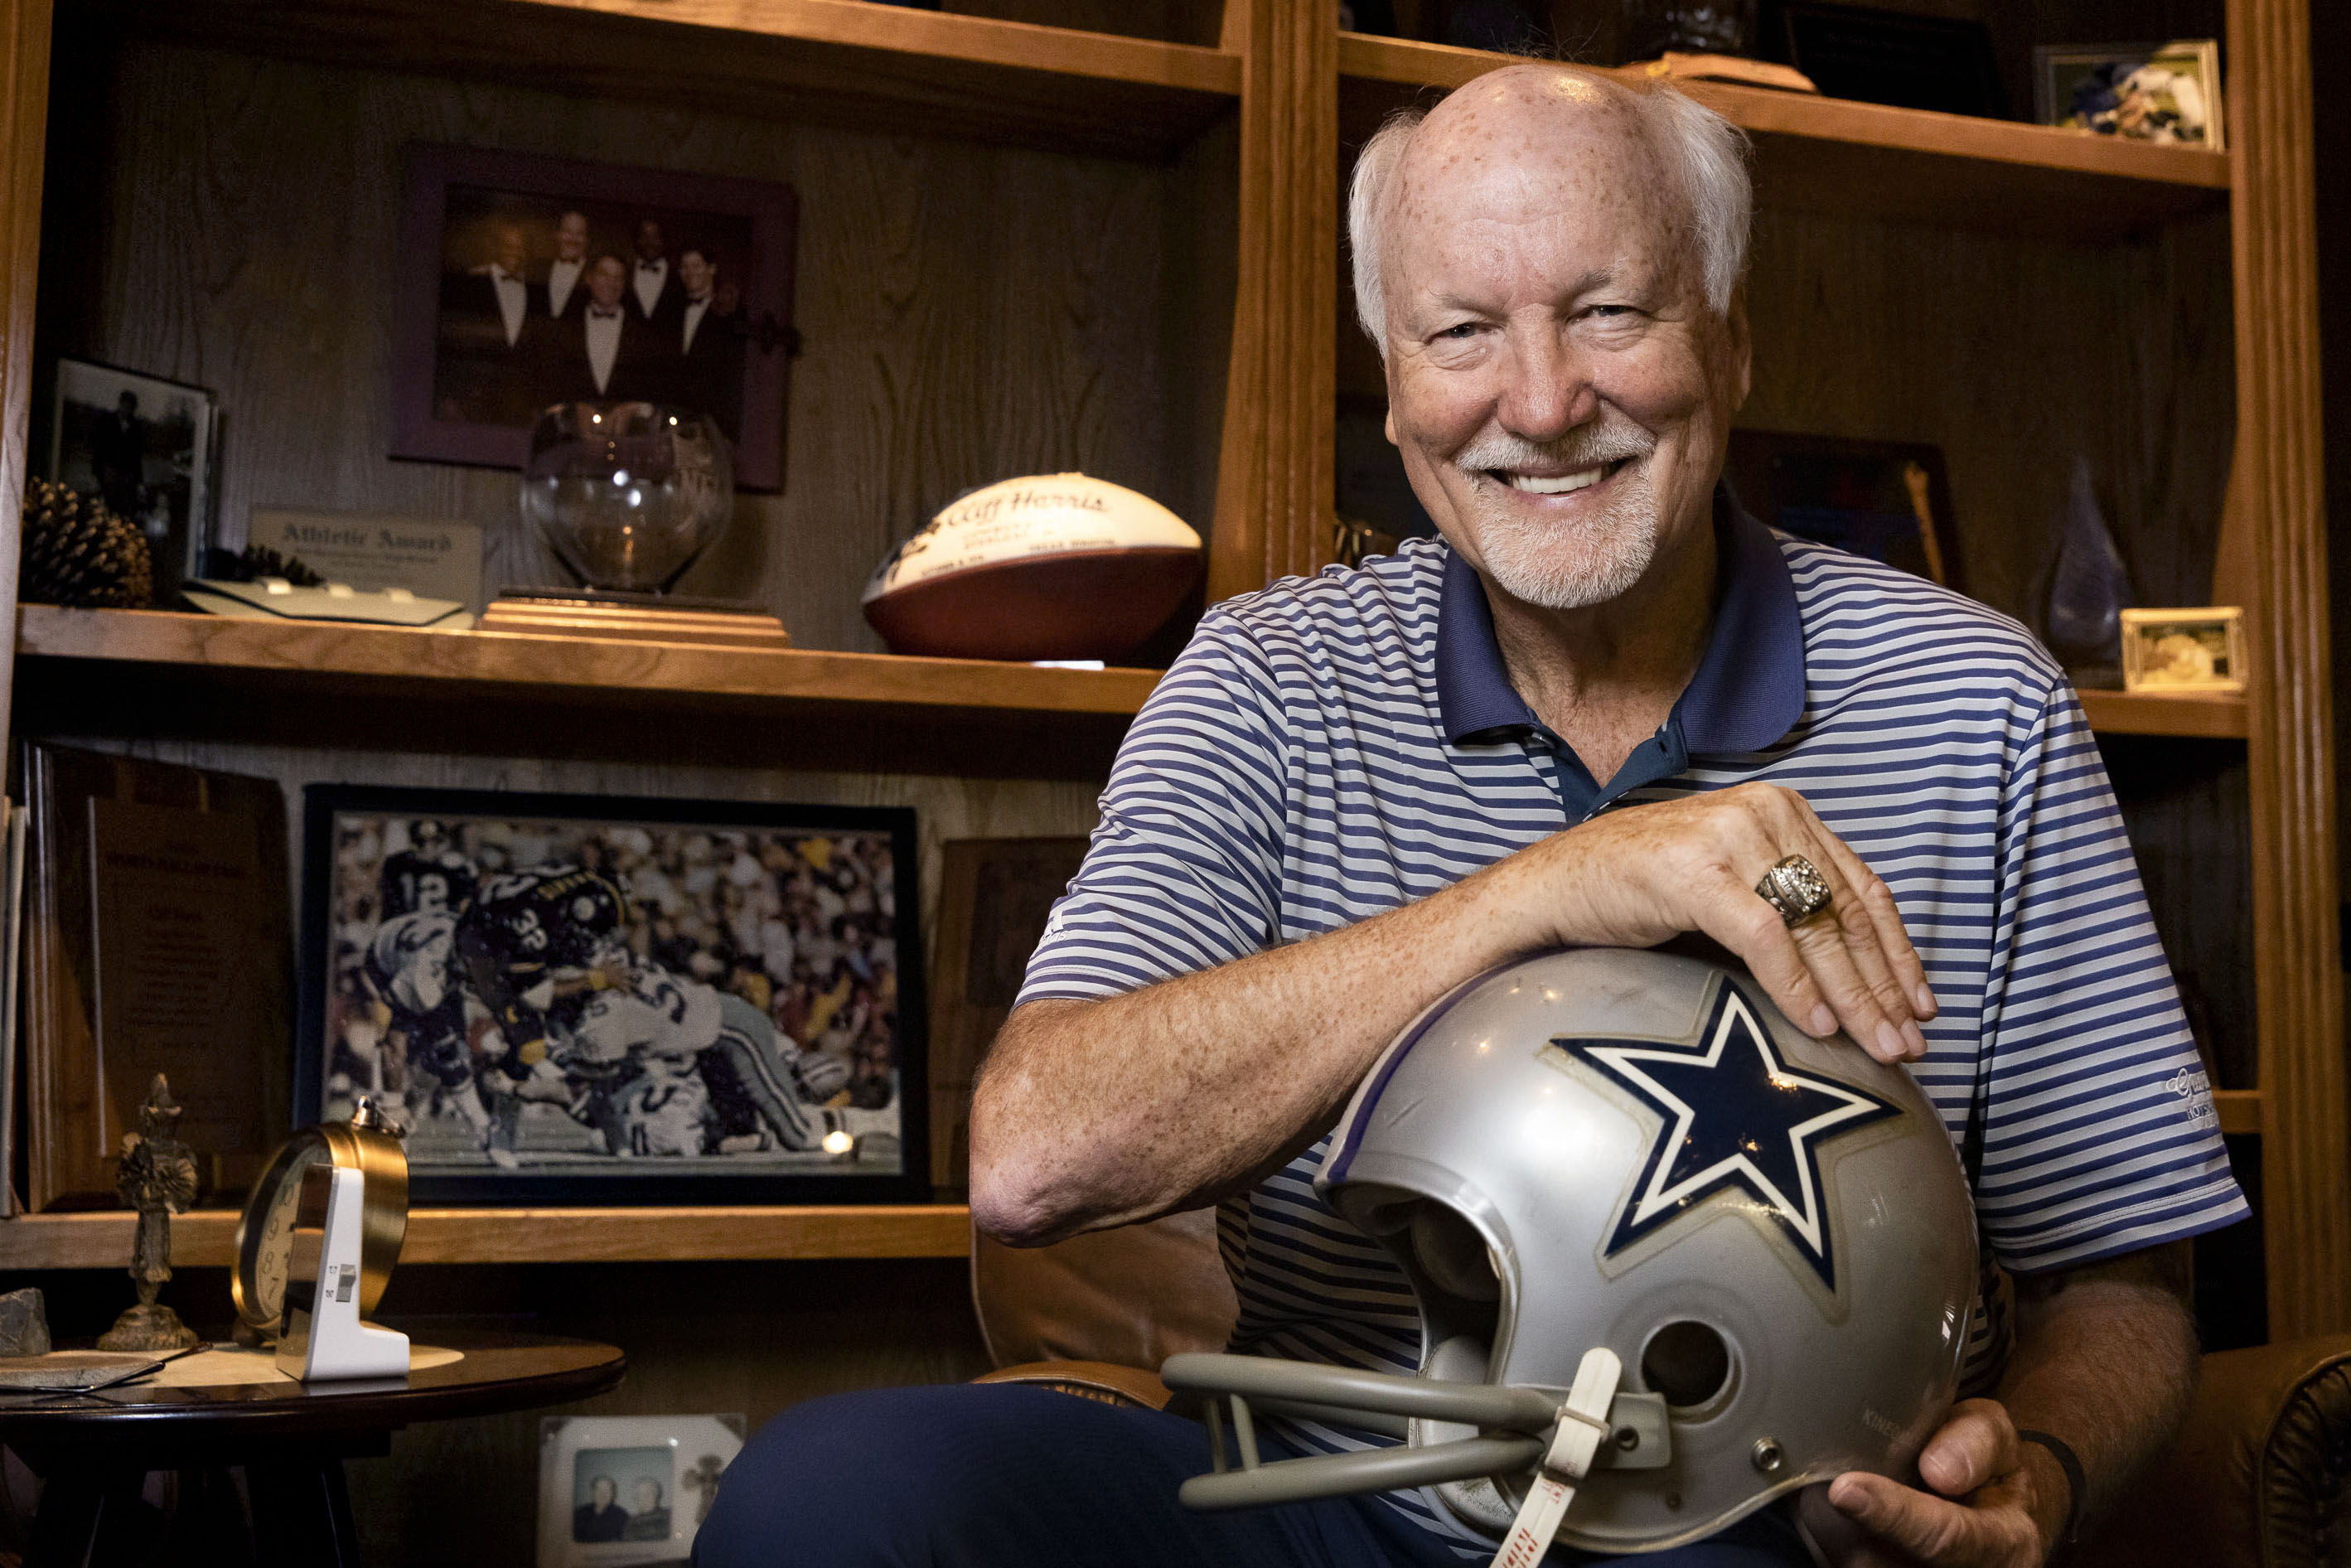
x=1581 y=448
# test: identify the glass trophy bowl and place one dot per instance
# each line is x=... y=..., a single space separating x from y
x=627 y=494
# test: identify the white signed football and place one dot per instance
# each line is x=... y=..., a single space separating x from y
x=1053 y=566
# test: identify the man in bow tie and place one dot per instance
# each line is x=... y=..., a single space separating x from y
x=570 y=263
x=481 y=374
x=604 y=351
x=707 y=373
x=656 y=294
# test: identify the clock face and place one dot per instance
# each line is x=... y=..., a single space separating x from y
x=266 y=1249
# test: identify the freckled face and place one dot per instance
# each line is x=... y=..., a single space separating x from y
x=1558 y=389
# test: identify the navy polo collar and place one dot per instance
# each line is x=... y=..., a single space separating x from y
x=1749 y=690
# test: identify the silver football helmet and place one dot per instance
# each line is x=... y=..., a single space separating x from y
x=1634 y=1152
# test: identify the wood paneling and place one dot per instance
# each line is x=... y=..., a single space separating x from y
x=837 y=61
x=207 y=1237
x=970 y=312
x=2016 y=357
x=1273 y=497
x=2185 y=804
x=2239 y=1110
x=2218 y=716
x=24 y=127
x=2277 y=506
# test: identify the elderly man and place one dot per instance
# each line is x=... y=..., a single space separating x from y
x=1599 y=711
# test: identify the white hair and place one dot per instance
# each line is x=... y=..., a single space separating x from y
x=1711 y=150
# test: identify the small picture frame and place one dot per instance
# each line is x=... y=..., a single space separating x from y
x=2166 y=93
x=578 y=1000
x=629 y=1489
x=144 y=446
x=2200 y=650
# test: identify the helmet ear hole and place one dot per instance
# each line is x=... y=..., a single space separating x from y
x=1686 y=1362
x=1453 y=1255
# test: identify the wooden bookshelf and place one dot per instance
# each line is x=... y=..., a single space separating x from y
x=2189 y=715
x=2240 y=1109
x=838 y=61
x=1834 y=155
x=206 y=1239
x=139 y=671
x=509 y=669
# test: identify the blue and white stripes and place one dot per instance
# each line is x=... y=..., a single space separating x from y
x=1292 y=775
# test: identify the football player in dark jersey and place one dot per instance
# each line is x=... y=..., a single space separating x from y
x=430 y=874
x=529 y=937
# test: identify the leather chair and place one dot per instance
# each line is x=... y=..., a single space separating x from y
x=2258 y=1477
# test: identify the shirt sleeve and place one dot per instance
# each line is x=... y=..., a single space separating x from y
x=2099 y=1133
x=1183 y=871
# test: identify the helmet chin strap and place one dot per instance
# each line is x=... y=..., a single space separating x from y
x=1582 y=1424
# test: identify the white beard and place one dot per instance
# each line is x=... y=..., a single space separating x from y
x=1558 y=565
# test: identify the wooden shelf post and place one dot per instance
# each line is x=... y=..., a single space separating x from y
x=1273 y=474
x=24 y=133
x=2276 y=505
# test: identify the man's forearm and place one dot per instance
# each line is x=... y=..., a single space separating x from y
x=1090 y=1114
x=1098 y=1112
x=2106 y=1361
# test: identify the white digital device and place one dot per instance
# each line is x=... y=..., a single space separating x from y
x=324 y=1336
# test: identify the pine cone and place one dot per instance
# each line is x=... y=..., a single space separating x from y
x=79 y=553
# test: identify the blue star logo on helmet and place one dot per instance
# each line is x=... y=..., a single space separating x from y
x=1733 y=1117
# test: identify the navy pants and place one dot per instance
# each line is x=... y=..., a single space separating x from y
x=995 y=1475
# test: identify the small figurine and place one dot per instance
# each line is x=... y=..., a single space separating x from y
x=703 y=1478
x=157 y=1176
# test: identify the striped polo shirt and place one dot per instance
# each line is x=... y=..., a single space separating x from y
x=1330 y=748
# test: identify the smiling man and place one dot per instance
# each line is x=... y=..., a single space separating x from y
x=1606 y=707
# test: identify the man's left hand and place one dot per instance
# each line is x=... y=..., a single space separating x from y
x=1991 y=1506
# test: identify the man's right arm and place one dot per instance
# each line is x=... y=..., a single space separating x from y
x=1100 y=1113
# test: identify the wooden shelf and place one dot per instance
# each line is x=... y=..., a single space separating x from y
x=842 y=62
x=1834 y=155
x=2240 y=1109
x=2201 y=716
x=206 y=1239
x=149 y=671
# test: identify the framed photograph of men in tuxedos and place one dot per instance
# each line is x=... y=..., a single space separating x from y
x=525 y=281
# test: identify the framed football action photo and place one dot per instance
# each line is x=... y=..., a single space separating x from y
x=526 y=281
x=577 y=1000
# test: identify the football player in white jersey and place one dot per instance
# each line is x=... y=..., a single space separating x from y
x=428 y=1020
x=668 y=1066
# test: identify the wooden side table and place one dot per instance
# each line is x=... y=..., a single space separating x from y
x=93 y=1451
